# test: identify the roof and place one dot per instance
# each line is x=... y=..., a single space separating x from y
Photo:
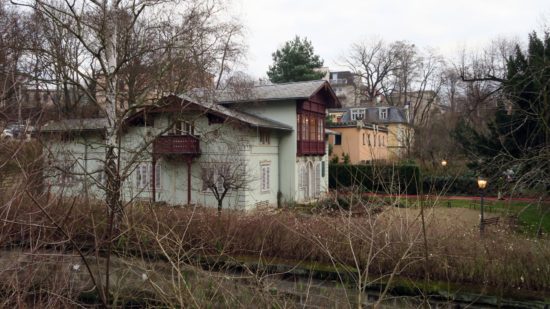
x=252 y=120
x=275 y=92
x=85 y=124
x=372 y=114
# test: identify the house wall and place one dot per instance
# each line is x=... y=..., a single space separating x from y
x=218 y=142
x=289 y=164
x=354 y=144
x=284 y=112
x=73 y=166
x=399 y=135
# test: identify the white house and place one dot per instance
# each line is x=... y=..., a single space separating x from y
x=272 y=137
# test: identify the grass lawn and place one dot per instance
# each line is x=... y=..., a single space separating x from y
x=529 y=213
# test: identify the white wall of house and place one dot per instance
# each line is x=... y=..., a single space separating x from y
x=284 y=112
x=219 y=142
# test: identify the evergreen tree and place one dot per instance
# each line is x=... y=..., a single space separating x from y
x=295 y=62
x=518 y=138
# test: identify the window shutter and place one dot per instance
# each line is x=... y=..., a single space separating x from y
x=267 y=186
x=158 y=177
x=138 y=176
x=317 y=179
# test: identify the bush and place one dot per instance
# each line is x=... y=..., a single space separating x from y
x=376 y=178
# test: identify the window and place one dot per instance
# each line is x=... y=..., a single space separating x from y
x=265 y=172
x=383 y=113
x=320 y=133
x=368 y=139
x=215 y=176
x=144 y=176
x=379 y=140
x=213 y=119
x=67 y=173
x=265 y=137
x=183 y=128
x=337 y=139
x=364 y=138
x=374 y=140
x=317 y=188
x=357 y=113
x=311 y=127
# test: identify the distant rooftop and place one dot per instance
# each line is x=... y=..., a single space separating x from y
x=274 y=92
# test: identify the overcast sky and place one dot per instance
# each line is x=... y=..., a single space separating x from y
x=333 y=25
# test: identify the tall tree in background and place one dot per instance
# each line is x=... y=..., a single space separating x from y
x=295 y=62
x=518 y=139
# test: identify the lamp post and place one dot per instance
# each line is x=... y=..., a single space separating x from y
x=444 y=164
x=481 y=184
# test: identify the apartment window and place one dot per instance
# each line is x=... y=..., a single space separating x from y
x=265 y=172
x=144 y=176
x=383 y=113
x=265 y=137
x=368 y=139
x=337 y=139
x=357 y=113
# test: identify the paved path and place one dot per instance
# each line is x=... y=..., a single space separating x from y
x=462 y=198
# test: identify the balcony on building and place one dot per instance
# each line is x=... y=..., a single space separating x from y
x=188 y=145
x=310 y=148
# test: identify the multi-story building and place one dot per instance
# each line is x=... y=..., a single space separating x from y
x=391 y=123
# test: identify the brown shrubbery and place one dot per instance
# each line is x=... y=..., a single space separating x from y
x=376 y=242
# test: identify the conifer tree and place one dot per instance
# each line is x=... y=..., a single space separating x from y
x=295 y=62
x=518 y=139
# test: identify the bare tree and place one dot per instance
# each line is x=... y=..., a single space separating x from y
x=374 y=63
x=225 y=174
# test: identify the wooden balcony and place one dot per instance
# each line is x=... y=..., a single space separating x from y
x=177 y=145
x=311 y=148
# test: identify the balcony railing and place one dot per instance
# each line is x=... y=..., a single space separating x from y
x=311 y=148
x=177 y=144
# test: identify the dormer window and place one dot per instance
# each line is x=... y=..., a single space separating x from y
x=357 y=114
x=383 y=113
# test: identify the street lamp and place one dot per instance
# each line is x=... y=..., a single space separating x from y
x=444 y=164
x=481 y=184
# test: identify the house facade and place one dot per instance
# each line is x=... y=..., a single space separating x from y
x=267 y=148
x=389 y=123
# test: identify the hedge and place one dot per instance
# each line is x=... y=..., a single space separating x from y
x=376 y=178
x=455 y=185
x=404 y=178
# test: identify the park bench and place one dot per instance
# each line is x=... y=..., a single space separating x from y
x=491 y=221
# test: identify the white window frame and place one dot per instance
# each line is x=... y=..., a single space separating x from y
x=143 y=179
x=317 y=180
x=357 y=113
x=265 y=177
x=383 y=113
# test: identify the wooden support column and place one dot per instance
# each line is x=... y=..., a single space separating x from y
x=154 y=176
x=189 y=161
